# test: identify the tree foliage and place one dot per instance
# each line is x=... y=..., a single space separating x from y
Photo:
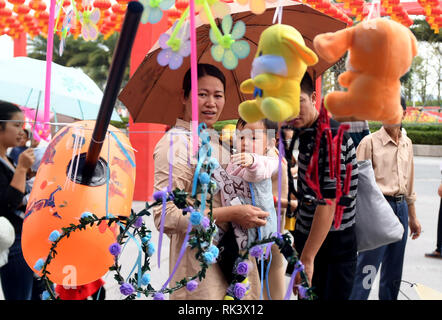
x=93 y=57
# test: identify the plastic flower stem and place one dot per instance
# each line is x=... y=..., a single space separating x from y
x=49 y=50
x=74 y=7
x=60 y=4
x=178 y=26
x=180 y=256
x=212 y=22
x=194 y=77
x=267 y=277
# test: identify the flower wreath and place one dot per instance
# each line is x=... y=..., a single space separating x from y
x=199 y=238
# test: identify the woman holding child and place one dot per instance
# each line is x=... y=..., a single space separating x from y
x=211 y=100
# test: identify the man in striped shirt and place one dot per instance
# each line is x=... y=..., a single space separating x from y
x=328 y=254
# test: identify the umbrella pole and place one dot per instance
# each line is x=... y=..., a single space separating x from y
x=116 y=73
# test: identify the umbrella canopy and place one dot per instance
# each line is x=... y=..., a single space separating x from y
x=73 y=93
x=153 y=93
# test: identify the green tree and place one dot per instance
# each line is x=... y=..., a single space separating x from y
x=93 y=57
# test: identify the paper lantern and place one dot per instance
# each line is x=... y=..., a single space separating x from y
x=2 y=4
x=102 y=4
x=5 y=13
x=56 y=201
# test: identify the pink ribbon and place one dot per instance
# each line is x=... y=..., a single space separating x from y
x=49 y=50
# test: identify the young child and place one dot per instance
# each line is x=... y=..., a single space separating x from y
x=251 y=163
x=255 y=160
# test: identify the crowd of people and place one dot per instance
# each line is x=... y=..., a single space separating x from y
x=332 y=264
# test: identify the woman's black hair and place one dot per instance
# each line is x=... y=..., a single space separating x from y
x=7 y=111
x=204 y=69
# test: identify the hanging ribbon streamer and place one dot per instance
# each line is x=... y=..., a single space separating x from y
x=123 y=149
x=281 y=154
x=164 y=200
x=267 y=278
x=278 y=13
x=194 y=76
x=49 y=50
x=180 y=256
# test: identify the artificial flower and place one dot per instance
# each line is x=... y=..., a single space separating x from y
x=146 y=238
x=239 y=290
x=89 y=20
x=204 y=178
x=153 y=10
x=45 y=295
x=159 y=296
x=242 y=268
x=256 y=251
x=138 y=223
x=228 y=49
x=191 y=285
x=209 y=258
x=115 y=249
x=160 y=195
x=205 y=222
x=174 y=50
x=150 y=249
x=86 y=215
x=195 y=218
x=54 y=236
x=127 y=289
x=214 y=250
x=145 y=279
x=39 y=264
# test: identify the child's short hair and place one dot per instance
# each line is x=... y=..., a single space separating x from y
x=271 y=127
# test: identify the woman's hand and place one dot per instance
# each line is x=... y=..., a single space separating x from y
x=26 y=159
x=248 y=216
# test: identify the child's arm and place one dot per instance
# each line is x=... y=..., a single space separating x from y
x=253 y=167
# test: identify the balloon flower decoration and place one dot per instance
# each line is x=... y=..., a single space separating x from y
x=35 y=123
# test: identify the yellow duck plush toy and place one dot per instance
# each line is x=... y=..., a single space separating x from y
x=277 y=70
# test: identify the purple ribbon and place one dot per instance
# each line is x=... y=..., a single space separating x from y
x=281 y=154
x=163 y=210
x=180 y=256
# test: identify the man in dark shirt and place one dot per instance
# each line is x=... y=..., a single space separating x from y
x=328 y=254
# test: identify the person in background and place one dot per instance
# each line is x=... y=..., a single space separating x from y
x=391 y=154
x=437 y=252
x=328 y=254
x=256 y=161
x=15 y=151
x=16 y=275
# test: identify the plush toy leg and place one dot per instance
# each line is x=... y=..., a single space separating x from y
x=278 y=110
x=249 y=111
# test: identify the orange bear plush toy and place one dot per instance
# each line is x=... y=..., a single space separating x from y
x=380 y=52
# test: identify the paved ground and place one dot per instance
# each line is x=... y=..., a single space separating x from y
x=417 y=268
